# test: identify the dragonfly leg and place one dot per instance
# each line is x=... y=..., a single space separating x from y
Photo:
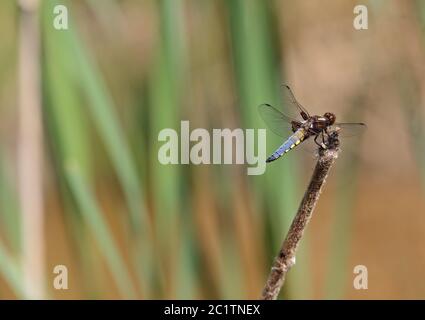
x=315 y=140
x=323 y=144
x=325 y=132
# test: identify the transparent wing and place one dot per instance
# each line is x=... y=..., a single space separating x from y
x=276 y=120
x=293 y=107
x=349 y=129
x=280 y=122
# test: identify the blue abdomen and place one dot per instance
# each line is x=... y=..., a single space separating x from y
x=289 y=144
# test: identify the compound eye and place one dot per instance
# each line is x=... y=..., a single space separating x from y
x=330 y=117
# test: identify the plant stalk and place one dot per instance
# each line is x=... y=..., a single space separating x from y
x=286 y=257
x=30 y=157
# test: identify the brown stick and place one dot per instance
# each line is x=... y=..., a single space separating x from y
x=286 y=258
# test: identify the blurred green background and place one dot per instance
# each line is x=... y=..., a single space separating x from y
x=80 y=181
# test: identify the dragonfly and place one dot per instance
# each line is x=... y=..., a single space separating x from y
x=322 y=128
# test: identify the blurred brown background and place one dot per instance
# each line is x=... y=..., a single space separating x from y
x=86 y=105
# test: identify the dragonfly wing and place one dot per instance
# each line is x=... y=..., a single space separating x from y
x=349 y=129
x=280 y=122
x=293 y=107
x=276 y=120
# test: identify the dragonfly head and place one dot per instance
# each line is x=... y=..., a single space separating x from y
x=330 y=117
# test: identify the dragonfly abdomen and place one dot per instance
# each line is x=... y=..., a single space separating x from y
x=288 y=145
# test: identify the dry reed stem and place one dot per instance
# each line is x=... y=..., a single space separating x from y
x=286 y=257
